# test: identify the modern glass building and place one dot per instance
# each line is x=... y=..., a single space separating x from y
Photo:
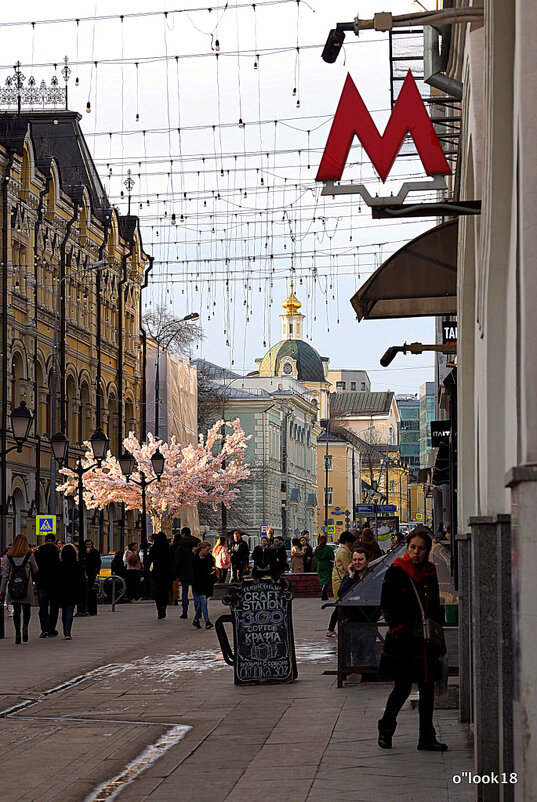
x=409 y=429
x=427 y=407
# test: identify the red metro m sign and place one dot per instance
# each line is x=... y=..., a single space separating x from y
x=409 y=116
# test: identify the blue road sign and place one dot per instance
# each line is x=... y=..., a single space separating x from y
x=386 y=508
x=45 y=524
x=365 y=509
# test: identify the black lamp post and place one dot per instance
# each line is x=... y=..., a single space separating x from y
x=60 y=450
x=21 y=423
x=127 y=463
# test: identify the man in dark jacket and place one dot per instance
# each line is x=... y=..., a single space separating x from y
x=263 y=557
x=240 y=554
x=92 y=566
x=48 y=561
x=280 y=557
x=183 y=553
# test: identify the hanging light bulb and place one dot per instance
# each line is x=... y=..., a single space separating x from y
x=173 y=219
x=148 y=203
x=76 y=81
x=217 y=46
x=141 y=206
x=245 y=194
x=88 y=107
x=137 y=117
x=241 y=124
x=165 y=213
x=294 y=91
x=262 y=181
x=205 y=203
x=122 y=194
x=298 y=104
x=182 y=218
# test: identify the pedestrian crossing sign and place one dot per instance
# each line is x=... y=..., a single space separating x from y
x=45 y=525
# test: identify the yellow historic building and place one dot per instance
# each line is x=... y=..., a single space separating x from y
x=57 y=223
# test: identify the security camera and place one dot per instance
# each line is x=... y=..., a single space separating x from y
x=336 y=37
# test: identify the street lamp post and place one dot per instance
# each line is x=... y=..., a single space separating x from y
x=21 y=423
x=126 y=463
x=54 y=374
x=60 y=451
x=166 y=340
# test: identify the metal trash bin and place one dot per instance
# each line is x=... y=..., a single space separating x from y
x=360 y=636
x=263 y=650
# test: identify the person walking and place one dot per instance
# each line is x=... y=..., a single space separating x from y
x=203 y=578
x=222 y=560
x=47 y=558
x=410 y=602
x=92 y=566
x=263 y=559
x=308 y=551
x=342 y=561
x=325 y=560
x=297 y=557
x=19 y=568
x=159 y=563
x=240 y=554
x=133 y=573
x=70 y=577
x=280 y=558
x=368 y=541
x=183 y=565
x=175 y=579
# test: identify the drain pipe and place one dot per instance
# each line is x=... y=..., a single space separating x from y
x=432 y=70
x=147 y=271
x=5 y=234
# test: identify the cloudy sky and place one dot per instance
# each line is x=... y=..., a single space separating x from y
x=221 y=117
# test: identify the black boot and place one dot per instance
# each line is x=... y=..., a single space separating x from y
x=385 y=734
x=430 y=744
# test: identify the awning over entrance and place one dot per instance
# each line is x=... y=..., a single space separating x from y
x=441 y=466
x=420 y=279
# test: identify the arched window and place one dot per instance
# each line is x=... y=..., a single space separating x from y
x=17 y=377
x=84 y=421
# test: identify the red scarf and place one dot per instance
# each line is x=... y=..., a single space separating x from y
x=417 y=572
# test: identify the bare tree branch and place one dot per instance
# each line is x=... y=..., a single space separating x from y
x=178 y=336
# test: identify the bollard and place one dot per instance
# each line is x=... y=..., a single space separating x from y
x=114 y=579
x=263 y=651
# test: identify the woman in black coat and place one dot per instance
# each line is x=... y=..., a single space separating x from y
x=203 y=579
x=71 y=578
x=407 y=657
x=159 y=563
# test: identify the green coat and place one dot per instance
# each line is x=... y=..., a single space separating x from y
x=325 y=558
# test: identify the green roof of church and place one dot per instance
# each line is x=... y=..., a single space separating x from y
x=309 y=363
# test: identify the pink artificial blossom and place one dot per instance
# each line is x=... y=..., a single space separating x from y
x=191 y=475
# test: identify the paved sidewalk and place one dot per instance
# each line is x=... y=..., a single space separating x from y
x=157 y=695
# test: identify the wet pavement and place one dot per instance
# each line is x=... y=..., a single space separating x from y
x=138 y=709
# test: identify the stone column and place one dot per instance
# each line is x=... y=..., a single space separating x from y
x=465 y=623
x=505 y=655
x=485 y=649
x=523 y=483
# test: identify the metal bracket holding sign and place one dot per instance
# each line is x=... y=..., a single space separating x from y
x=331 y=188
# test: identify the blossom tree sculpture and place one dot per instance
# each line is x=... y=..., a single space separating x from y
x=191 y=475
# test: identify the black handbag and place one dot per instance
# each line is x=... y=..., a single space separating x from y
x=431 y=631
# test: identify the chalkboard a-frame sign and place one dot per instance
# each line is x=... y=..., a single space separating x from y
x=264 y=647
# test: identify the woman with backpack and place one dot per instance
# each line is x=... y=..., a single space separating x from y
x=19 y=568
